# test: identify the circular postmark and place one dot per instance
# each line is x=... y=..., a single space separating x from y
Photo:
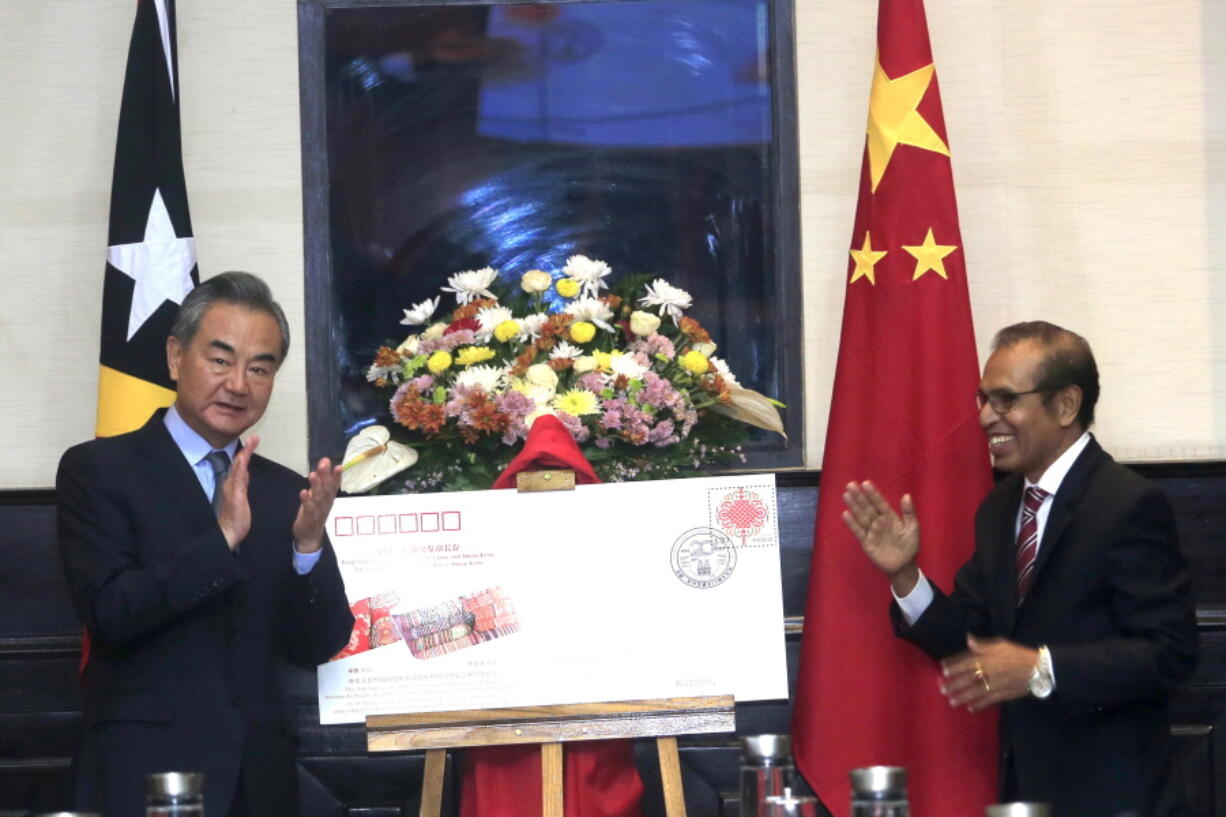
x=703 y=557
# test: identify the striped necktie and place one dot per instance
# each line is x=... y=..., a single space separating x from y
x=220 y=461
x=1028 y=540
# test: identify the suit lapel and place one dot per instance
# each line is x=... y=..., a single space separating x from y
x=170 y=473
x=1064 y=504
x=1006 y=569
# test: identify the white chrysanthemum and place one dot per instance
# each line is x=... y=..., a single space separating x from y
x=530 y=326
x=408 y=347
x=591 y=310
x=627 y=366
x=386 y=372
x=490 y=378
x=489 y=318
x=589 y=272
x=420 y=313
x=669 y=298
x=471 y=283
x=564 y=350
x=721 y=368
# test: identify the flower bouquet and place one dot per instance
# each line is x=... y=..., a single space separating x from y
x=634 y=380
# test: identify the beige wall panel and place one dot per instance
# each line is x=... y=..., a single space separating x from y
x=1087 y=146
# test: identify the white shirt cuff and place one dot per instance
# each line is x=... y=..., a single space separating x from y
x=916 y=602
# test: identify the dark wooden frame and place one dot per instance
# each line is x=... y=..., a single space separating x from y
x=323 y=418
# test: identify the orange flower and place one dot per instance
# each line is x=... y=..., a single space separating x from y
x=560 y=363
x=387 y=356
x=489 y=419
x=555 y=326
x=416 y=414
x=470 y=309
x=523 y=361
x=693 y=329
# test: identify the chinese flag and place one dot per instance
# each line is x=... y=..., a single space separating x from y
x=151 y=255
x=903 y=416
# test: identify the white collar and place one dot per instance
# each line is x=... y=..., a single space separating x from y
x=193 y=446
x=1058 y=470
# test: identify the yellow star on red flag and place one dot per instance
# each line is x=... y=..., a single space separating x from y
x=866 y=259
x=893 y=119
x=930 y=256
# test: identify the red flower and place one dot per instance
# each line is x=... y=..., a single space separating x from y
x=464 y=323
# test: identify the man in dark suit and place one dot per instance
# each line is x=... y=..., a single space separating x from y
x=1074 y=613
x=194 y=585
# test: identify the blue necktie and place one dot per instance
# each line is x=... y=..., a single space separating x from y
x=220 y=461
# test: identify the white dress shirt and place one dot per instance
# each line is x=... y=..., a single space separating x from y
x=916 y=602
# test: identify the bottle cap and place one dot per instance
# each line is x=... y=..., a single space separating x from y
x=879 y=781
x=767 y=748
x=174 y=784
x=1019 y=810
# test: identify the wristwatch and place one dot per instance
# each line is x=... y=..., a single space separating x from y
x=1042 y=681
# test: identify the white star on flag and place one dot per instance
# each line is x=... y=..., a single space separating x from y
x=161 y=265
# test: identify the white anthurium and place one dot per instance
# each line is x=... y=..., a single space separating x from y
x=371 y=457
x=752 y=408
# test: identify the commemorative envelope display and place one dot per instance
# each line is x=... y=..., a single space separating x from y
x=614 y=592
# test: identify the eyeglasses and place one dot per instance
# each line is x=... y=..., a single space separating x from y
x=1002 y=401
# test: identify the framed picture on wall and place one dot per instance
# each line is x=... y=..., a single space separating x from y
x=657 y=136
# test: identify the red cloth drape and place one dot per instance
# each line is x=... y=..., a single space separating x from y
x=903 y=415
x=599 y=777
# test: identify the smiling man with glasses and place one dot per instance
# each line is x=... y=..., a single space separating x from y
x=1074 y=615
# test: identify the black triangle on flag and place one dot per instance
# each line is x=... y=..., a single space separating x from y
x=151 y=254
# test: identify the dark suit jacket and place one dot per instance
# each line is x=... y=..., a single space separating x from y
x=1111 y=599
x=186 y=636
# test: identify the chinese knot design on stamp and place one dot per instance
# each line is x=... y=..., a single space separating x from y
x=741 y=513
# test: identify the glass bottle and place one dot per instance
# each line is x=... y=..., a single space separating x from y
x=766 y=771
x=174 y=794
x=879 y=791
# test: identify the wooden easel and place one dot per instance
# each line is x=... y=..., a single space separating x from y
x=551 y=726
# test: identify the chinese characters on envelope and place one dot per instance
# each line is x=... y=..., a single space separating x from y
x=605 y=593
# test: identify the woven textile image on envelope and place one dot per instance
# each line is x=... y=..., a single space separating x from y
x=457 y=623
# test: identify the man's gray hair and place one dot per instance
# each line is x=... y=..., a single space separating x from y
x=238 y=288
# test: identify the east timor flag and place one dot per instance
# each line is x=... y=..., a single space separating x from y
x=151 y=255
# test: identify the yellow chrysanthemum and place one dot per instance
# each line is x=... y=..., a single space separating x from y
x=582 y=331
x=507 y=330
x=695 y=362
x=474 y=354
x=567 y=287
x=604 y=360
x=439 y=362
x=577 y=402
